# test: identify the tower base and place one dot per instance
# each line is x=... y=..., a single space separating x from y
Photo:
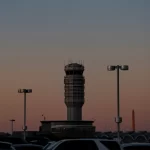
x=69 y=129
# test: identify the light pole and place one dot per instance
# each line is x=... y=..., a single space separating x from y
x=118 y=119
x=12 y=125
x=44 y=117
x=25 y=91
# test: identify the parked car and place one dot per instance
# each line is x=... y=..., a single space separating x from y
x=136 y=146
x=37 y=140
x=48 y=145
x=13 y=140
x=27 y=147
x=6 y=146
x=85 y=144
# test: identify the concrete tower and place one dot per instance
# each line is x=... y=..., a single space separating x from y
x=74 y=91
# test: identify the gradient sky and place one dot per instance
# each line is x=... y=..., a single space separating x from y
x=38 y=37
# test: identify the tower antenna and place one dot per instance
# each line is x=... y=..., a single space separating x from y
x=69 y=61
x=64 y=63
x=79 y=62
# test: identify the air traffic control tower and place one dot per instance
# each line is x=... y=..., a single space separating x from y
x=74 y=91
x=74 y=126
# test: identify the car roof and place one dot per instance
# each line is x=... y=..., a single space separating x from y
x=86 y=139
x=26 y=145
x=135 y=144
x=51 y=142
x=2 y=142
x=4 y=145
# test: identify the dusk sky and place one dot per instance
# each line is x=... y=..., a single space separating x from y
x=38 y=37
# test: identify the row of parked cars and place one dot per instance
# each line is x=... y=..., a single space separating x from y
x=14 y=143
x=94 y=144
x=127 y=137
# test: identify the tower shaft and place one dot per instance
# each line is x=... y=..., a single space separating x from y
x=74 y=113
x=74 y=91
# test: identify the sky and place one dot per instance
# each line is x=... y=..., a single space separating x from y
x=37 y=38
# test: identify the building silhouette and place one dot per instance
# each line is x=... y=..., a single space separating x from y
x=74 y=99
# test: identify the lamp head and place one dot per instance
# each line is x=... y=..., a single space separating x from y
x=25 y=91
x=124 y=67
x=111 y=68
x=12 y=120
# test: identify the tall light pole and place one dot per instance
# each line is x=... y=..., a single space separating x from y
x=25 y=91
x=12 y=125
x=118 y=119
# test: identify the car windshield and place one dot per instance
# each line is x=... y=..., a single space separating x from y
x=48 y=145
x=52 y=146
x=111 y=145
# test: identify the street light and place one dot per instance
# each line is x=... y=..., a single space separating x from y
x=44 y=117
x=25 y=91
x=12 y=125
x=118 y=119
